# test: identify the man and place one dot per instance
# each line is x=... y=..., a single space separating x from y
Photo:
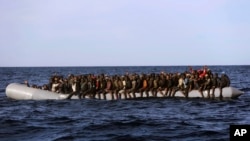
x=214 y=83
x=162 y=84
x=108 y=88
x=128 y=86
x=207 y=84
x=133 y=86
x=84 y=87
x=180 y=83
x=150 y=79
x=117 y=86
x=169 y=85
x=55 y=84
x=144 y=86
x=27 y=83
x=102 y=87
x=75 y=87
x=187 y=84
x=224 y=82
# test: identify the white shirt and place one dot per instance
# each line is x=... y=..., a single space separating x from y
x=54 y=85
x=74 y=87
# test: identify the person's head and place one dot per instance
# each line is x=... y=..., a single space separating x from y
x=192 y=76
x=223 y=74
x=206 y=76
x=56 y=79
x=141 y=76
x=216 y=75
x=75 y=79
x=107 y=78
x=122 y=77
x=167 y=77
x=70 y=76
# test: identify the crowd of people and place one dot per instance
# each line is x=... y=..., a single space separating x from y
x=162 y=83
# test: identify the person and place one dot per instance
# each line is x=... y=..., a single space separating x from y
x=122 y=84
x=169 y=85
x=155 y=85
x=108 y=88
x=75 y=88
x=102 y=87
x=162 y=84
x=45 y=87
x=66 y=86
x=90 y=87
x=26 y=83
x=97 y=86
x=223 y=83
x=83 y=87
x=34 y=86
x=93 y=88
x=214 y=83
x=128 y=86
x=175 y=78
x=150 y=85
x=207 y=85
x=60 y=88
x=178 y=83
x=55 y=84
x=187 y=84
x=144 y=86
x=133 y=87
x=198 y=84
x=139 y=83
x=117 y=86
x=191 y=83
x=201 y=83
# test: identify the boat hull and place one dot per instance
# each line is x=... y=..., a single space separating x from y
x=22 y=92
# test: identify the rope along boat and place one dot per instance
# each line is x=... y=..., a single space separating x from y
x=22 y=92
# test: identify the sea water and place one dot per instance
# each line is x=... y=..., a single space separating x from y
x=97 y=120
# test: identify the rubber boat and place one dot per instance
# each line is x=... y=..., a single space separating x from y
x=22 y=92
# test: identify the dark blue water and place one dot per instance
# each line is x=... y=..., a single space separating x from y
x=161 y=119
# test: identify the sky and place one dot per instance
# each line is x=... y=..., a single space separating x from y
x=124 y=32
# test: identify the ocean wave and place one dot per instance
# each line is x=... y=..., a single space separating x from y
x=151 y=119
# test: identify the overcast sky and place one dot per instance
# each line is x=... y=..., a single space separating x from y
x=124 y=32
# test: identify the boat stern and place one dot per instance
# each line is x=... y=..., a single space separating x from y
x=236 y=92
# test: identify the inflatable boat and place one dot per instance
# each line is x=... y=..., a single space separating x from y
x=22 y=92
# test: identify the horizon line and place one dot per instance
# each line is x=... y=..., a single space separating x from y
x=124 y=66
